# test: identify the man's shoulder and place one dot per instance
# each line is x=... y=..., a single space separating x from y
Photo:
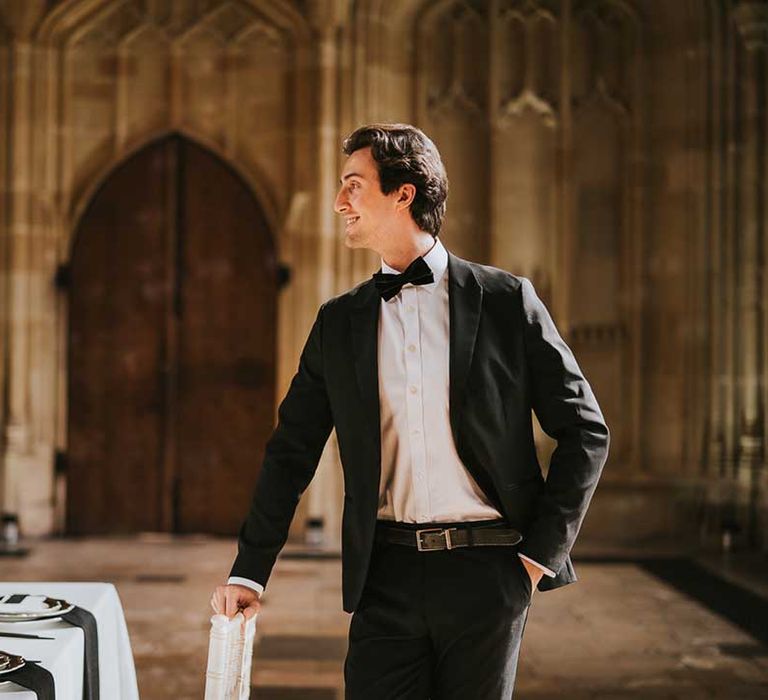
x=494 y=279
x=346 y=300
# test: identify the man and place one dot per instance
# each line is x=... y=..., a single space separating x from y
x=429 y=372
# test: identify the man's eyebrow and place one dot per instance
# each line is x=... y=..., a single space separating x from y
x=349 y=175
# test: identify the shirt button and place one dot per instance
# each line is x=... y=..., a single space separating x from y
x=411 y=308
x=412 y=347
x=417 y=432
x=412 y=389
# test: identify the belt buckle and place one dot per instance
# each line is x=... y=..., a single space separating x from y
x=446 y=533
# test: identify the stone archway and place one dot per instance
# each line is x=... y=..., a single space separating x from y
x=172 y=292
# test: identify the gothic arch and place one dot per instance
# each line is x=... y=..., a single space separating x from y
x=120 y=23
x=256 y=181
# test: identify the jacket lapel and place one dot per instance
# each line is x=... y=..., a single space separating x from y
x=465 y=297
x=364 y=322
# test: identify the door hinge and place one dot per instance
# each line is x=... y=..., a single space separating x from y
x=62 y=277
x=60 y=462
x=283 y=275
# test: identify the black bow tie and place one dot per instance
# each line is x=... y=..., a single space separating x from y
x=388 y=285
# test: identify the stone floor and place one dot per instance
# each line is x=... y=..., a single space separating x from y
x=619 y=633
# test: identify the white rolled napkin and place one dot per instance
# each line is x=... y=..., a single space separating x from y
x=230 y=650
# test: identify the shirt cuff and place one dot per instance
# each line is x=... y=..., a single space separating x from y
x=547 y=571
x=239 y=581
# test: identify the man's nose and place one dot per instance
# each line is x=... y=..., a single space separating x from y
x=340 y=205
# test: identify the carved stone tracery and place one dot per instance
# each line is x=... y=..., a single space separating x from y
x=455 y=84
x=529 y=61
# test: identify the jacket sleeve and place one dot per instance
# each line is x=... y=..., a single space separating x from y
x=290 y=460
x=568 y=412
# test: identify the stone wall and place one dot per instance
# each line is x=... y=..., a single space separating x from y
x=613 y=151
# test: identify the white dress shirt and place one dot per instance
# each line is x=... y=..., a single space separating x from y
x=423 y=480
x=422 y=477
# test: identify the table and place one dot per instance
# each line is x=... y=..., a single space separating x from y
x=64 y=656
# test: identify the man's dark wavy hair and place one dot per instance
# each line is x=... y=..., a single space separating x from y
x=403 y=154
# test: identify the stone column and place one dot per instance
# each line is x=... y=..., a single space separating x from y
x=751 y=20
x=325 y=495
x=27 y=448
x=718 y=466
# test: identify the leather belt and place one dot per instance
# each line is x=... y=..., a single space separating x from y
x=435 y=538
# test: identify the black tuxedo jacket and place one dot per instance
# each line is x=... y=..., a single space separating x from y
x=506 y=358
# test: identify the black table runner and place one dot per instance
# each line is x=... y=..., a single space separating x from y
x=35 y=678
x=80 y=617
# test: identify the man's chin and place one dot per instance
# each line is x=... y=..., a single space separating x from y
x=351 y=242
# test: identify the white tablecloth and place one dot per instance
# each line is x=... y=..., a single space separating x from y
x=64 y=656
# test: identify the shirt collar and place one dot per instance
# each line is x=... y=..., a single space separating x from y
x=436 y=258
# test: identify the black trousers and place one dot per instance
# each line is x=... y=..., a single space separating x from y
x=440 y=625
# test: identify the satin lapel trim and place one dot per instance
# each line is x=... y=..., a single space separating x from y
x=365 y=335
x=465 y=300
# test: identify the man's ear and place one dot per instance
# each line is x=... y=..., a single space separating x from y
x=405 y=195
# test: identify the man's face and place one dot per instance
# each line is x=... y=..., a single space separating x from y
x=368 y=213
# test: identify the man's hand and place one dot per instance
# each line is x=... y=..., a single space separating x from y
x=534 y=572
x=231 y=599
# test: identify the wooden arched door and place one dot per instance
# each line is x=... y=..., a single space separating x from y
x=172 y=291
